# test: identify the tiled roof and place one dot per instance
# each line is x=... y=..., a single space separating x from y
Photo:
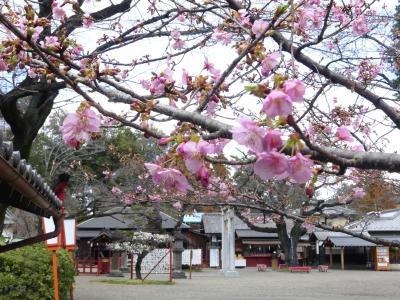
x=120 y=219
x=350 y=241
x=248 y=233
x=388 y=220
x=323 y=234
x=40 y=200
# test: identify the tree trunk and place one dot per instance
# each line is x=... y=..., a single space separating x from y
x=25 y=109
x=138 y=265
x=289 y=243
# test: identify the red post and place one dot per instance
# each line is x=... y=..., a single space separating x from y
x=170 y=261
x=99 y=266
x=54 y=256
x=131 y=266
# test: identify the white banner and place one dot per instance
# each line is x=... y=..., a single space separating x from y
x=196 y=260
x=214 y=258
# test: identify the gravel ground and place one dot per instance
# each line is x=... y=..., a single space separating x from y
x=211 y=285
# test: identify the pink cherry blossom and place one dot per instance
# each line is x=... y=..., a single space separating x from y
x=277 y=103
x=116 y=190
x=38 y=30
x=177 y=205
x=343 y=134
x=343 y=199
x=270 y=62
x=328 y=129
x=51 y=42
x=271 y=165
x=181 y=18
x=330 y=44
x=87 y=21
x=158 y=83
x=210 y=67
x=272 y=140
x=185 y=77
x=218 y=145
x=340 y=15
x=359 y=192
x=222 y=36
x=77 y=50
x=155 y=198
x=249 y=134
x=171 y=179
x=295 y=89
x=300 y=168
x=193 y=154
x=128 y=198
x=357 y=148
x=259 y=26
x=304 y=16
x=178 y=42
x=165 y=141
x=360 y=26
x=58 y=12
x=203 y=175
x=244 y=19
x=77 y=127
x=211 y=108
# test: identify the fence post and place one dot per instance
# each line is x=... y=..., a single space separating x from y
x=190 y=263
x=170 y=261
x=99 y=266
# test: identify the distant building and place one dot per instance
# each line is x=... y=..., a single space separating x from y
x=384 y=225
x=113 y=222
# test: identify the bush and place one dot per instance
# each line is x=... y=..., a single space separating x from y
x=27 y=274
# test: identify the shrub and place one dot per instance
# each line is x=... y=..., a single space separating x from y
x=27 y=274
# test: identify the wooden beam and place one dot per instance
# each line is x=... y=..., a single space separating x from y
x=342 y=258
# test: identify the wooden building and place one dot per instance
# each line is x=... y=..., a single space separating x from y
x=114 y=221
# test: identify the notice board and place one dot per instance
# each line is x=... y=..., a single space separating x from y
x=381 y=258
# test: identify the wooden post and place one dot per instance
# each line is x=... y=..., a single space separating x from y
x=330 y=256
x=131 y=265
x=71 y=289
x=342 y=258
x=55 y=273
x=190 y=263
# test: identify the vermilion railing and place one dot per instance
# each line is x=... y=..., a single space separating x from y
x=92 y=266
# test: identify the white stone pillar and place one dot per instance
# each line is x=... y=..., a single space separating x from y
x=228 y=243
x=223 y=241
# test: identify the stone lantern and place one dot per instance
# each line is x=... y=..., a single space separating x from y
x=177 y=249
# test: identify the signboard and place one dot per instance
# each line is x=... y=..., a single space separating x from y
x=70 y=233
x=382 y=258
x=49 y=226
x=214 y=258
x=196 y=259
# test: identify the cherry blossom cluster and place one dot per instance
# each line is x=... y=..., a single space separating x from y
x=80 y=126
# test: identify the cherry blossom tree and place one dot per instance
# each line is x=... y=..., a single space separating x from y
x=141 y=243
x=302 y=89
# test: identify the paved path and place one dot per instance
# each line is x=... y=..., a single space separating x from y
x=253 y=285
